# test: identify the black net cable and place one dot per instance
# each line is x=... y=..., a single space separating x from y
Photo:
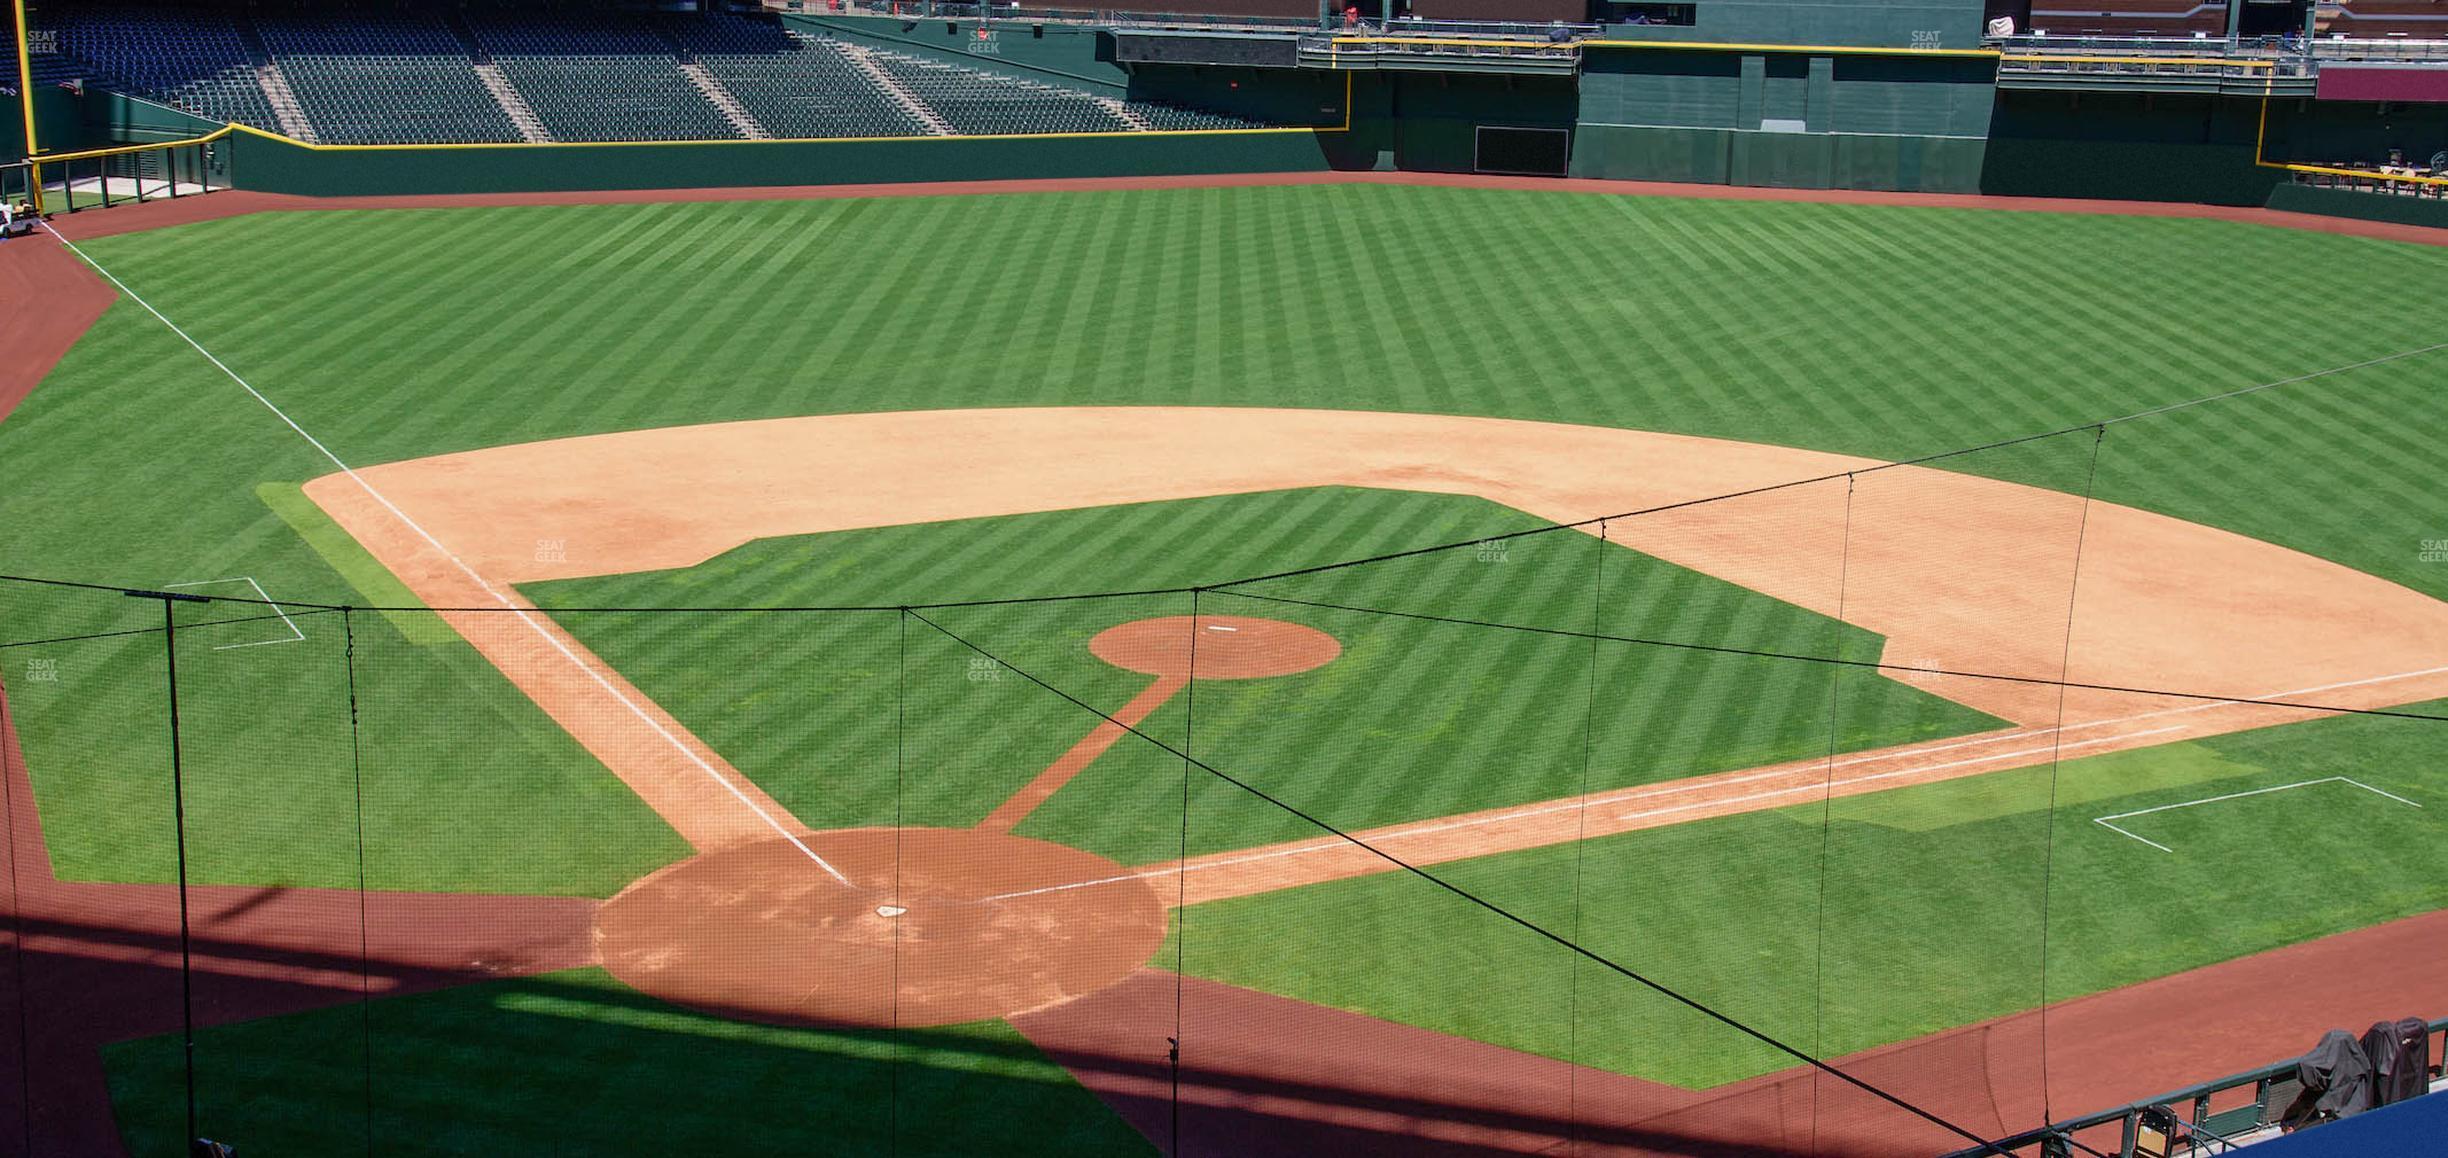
x=1181 y=875
x=209 y=623
x=1425 y=617
x=1466 y=895
x=17 y=953
x=2048 y=817
x=365 y=954
x=1827 y=812
x=1473 y=542
x=1589 y=728
x=900 y=827
x=1923 y=460
x=1838 y=661
x=178 y=813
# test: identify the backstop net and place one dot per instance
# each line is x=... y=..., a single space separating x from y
x=1806 y=806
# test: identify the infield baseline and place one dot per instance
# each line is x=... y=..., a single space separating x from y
x=2103 y=821
x=296 y=635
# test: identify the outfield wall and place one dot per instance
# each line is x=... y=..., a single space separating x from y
x=2398 y=210
x=1787 y=119
x=279 y=166
x=1802 y=118
x=2184 y=147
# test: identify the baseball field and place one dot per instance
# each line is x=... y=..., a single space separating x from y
x=1400 y=668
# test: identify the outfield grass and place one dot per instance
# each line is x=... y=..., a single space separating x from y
x=1879 y=331
x=1924 y=925
x=577 y=1064
x=1876 y=331
x=1414 y=720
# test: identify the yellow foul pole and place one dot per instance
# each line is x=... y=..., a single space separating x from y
x=25 y=97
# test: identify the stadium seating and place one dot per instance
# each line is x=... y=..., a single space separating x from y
x=599 y=77
x=975 y=102
x=1174 y=118
x=410 y=76
x=794 y=86
x=195 y=60
x=375 y=78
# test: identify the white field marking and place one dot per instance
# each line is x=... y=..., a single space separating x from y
x=524 y=616
x=260 y=593
x=1220 y=627
x=2102 y=821
x=1743 y=778
x=1653 y=790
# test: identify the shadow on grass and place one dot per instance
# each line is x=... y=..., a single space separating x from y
x=291 y=1062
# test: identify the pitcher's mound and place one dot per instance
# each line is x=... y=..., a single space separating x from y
x=761 y=933
x=1222 y=647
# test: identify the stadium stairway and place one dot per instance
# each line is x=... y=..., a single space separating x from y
x=918 y=108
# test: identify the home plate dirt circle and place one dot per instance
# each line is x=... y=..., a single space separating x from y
x=761 y=933
x=1224 y=647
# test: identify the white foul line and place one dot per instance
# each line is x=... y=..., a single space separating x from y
x=1650 y=790
x=1670 y=788
x=2102 y=821
x=298 y=635
x=522 y=613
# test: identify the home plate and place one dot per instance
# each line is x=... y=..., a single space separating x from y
x=890 y=910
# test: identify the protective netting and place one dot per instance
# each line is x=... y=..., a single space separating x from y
x=1888 y=810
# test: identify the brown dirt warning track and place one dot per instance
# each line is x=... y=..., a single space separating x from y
x=186 y=210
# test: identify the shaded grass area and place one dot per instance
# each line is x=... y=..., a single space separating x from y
x=1413 y=720
x=576 y=1063
x=1911 y=926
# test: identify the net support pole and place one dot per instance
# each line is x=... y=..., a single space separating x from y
x=25 y=99
x=178 y=820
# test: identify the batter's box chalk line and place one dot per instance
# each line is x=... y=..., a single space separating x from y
x=2105 y=821
x=295 y=634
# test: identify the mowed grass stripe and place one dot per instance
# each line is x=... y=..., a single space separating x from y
x=1868 y=330
x=1415 y=720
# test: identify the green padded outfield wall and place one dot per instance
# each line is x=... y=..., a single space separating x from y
x=2295 y=198
x=1430 y=121
x=279 y=166
x=2185 y=147
x=1788 y=119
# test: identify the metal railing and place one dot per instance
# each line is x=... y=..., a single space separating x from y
x=121 y=174
x=1083 y=15
x=16 y=183
x=1131 y=18
x=2428 y=184
x=1364 y=44
x=2169 y=56
x=2390 y=49
x=2275 y=48
x=2198 y=1129
x=1405 y=26
x=2070 y=64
